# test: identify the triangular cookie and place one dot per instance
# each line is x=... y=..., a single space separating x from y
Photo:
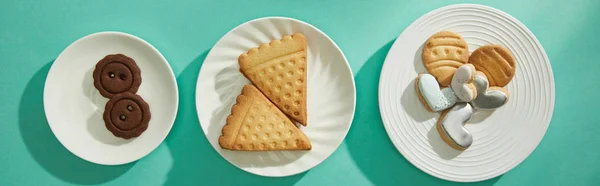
x=255 y=124
x=278 y=69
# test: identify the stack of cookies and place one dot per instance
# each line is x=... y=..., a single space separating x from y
x=458 y=83
x=260 y=120
x=117 y=77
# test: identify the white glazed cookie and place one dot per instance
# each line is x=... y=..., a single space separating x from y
x=451 y=128
x=462 y=83
x=430 y=94
x=488 y=98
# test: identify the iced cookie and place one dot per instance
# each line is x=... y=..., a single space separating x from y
x=443 y=53
x=488 y=98
x=126 y=115
x=496 y=62
x=255 y=124
x=451 y=128
x=462 y=83
x=278 y=69
x=433 y=98
x=115 y=74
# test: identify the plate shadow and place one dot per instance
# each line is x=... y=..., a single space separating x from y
x=47 y=150
x=418 y=63
x=480 y=116
x=439 y=146
x=95 y=122
x=413 y=106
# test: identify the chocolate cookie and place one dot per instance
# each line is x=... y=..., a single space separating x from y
x=127 y=115
x=115 y=74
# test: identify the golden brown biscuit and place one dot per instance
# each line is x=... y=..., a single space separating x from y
x=443 y=53
x=255 y=124
x=278 y=69
x=496 y=62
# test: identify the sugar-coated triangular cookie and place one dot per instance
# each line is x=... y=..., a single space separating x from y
x=255 y=124
x=278 y=69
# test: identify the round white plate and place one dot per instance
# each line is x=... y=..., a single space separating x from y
x=331 y=94
x=74 y=107
x=501 y=139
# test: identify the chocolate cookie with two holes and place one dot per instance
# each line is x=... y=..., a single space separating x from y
x=118 y=78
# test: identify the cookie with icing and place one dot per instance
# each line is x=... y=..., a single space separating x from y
x=115 y=74
x=462 y=83
x=451 y=128
x=488 y=98
x=433 y=98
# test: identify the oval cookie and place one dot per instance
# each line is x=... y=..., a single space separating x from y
x=115 y=74
x=496 y=62
x=127 y=115
x=443 y=53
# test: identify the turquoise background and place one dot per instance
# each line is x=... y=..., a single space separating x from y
x=33 y=33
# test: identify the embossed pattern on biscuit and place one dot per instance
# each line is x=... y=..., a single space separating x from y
x=255 y=124
x=496 y=62
x=278 y=69
x=443 y=53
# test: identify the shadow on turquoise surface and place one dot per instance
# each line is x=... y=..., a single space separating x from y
x=45 y=148
x=367 y=135
x=195 y=162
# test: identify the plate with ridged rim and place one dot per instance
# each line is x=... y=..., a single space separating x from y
x=502 y=138
x=329 y=115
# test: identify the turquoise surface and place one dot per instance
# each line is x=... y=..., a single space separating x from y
x=33 y=33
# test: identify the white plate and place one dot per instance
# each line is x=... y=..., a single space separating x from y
x=502 y=140
x=331 y=94
x=74 y=106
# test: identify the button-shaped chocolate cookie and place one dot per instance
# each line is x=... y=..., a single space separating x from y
x=127 y=115
x=115 y=74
